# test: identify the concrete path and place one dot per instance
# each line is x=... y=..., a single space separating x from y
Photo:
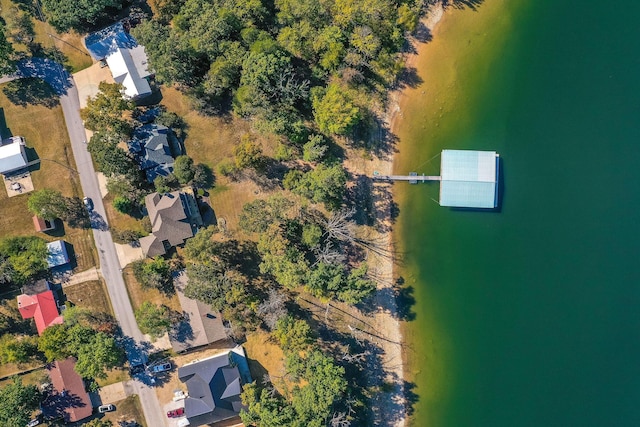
x=83 y=276
x=127 y=254
x=136 y=346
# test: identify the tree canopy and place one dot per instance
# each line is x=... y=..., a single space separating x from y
x=17 y=402
x=95 y=351
x=7 y=64
x=47 y=204
x=79 y=15
x=25 y=257
x=153 y=319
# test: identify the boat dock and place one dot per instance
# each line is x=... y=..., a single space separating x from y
x=413 y=178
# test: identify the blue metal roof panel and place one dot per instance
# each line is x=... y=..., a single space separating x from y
x=468 y=194
x=468 y=165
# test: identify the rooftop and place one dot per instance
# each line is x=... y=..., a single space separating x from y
x=153 y=142
x=42 y=307
x=69 y=400
x=12 y=154
x=469 y=179
x=170 y=225
x=57 y=253
x=129 y=68
x=202 y=325
x=214 y=385
x=106 y=41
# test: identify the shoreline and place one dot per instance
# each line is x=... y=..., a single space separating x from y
x=390 y=407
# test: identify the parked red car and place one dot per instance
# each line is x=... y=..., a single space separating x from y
x=175 y=413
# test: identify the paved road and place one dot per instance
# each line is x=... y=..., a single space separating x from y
x=135 y=345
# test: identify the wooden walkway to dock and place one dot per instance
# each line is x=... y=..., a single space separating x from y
x=413 y=179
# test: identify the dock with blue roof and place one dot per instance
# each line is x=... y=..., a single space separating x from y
x=468 y=178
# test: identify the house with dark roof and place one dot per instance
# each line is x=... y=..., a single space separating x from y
x=42 y=307
x=201 y=325
x=214 y=385
x=69 y=399
x=151 y=146
x=170 y=222
x=36 y=287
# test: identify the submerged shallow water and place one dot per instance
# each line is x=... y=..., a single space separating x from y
x=530 y=315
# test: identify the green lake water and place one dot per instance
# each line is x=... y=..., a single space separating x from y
x=530 y=316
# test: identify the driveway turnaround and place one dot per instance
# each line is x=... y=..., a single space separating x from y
x=134 y=341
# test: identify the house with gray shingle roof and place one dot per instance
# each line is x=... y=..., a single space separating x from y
x=214 y=385
x=170 y=222
x=151 y=146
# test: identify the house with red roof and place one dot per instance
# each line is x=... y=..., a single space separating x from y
x=42 y=307
x=69 y=399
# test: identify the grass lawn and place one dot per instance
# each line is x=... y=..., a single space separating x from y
x=36 y=377
x=73 y=53
x=210 y=140
x=90 y=295
x=138 y=295
x=114 y=376
x=45 y=132
x=128 y=409
x=264 y=356
x=122 y=221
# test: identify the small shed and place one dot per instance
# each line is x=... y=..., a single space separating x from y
x=42 y=224
x=469 y=179
x=58 y=254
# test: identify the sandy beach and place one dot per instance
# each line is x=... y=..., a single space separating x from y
x=389 y=405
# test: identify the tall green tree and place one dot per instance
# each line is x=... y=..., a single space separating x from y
x=79 y=15
x=106 y=111
x=153 y=319
x=17 y=348
x=334 y=111
x=154 y=273
x=324 y=184
x=293 y=334
x=17 y=403
x=95 y=351
x=7 y=65
x=257 y=215
x=183 y=169
x=26 y=255
x=47 y=204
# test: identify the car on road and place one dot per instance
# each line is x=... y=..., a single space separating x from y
x=161 y=368
x=88 y=203
x=175 y=413
x=34 y=422
x=106 y=408
x=136 y=369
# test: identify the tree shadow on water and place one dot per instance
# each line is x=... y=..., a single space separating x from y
x=463 y=4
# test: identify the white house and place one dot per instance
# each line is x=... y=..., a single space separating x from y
x=12 y=154
x=129 y=68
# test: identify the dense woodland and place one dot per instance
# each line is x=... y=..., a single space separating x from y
x=315 y=74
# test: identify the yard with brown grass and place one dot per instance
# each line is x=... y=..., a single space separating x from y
x=71 y=50
x=138 y=295
x=91 y=295
x=120 y=221
x=45 y=133
x=210 y=140
x=128 y=409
